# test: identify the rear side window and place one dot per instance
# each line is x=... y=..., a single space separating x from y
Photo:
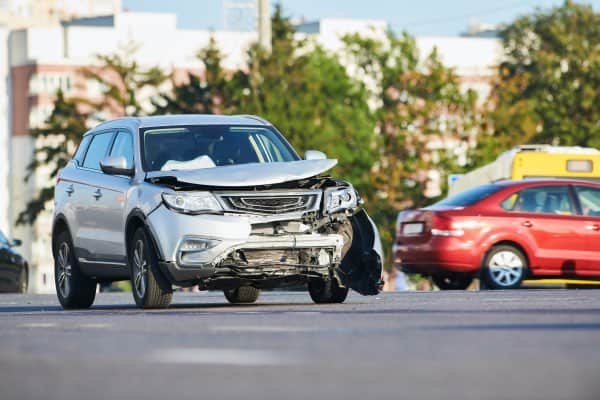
x=541 y=199
x=123 y=146
x=468 y=197
x=589 y=198
x=80 y=153
x=97 y=150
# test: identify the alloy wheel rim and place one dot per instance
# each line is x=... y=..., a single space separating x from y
x=64 y=270
x=506 y=268
x=140 y=269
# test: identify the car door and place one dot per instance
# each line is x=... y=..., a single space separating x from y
x=111 y=194
x=549 y=215
x=89 y=229
x=589 y=201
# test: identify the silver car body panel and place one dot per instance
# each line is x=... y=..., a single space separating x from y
x=256 y=174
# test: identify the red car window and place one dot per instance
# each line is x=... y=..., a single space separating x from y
x=541 y=199
x=589 y=198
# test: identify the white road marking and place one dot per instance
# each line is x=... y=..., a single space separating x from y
x=225 y=356
x=304 y=312
x=94 y=326
x=38 y=325
x=246 y=328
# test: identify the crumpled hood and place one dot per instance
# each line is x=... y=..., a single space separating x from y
x=255 y=174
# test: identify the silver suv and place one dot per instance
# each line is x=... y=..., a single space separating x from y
x=222 y=202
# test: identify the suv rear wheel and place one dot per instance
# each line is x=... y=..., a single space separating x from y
x=504 y=267
x=150 y=289
x=73 y=288
x=241 y=295
x=326 y=291
x=452 y=282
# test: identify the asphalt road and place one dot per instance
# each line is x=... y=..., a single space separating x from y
x=528 y=344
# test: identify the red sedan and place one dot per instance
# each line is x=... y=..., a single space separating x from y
x=505 y=232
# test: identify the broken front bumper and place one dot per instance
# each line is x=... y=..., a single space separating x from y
x=191 y=247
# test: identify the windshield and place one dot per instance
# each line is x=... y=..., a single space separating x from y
x=468 y=197
x=193 y=147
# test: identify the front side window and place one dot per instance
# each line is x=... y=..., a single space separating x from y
x=541 y=199
x=97 y=150
x=189 y=147
x=589 y=198
x=123 y=146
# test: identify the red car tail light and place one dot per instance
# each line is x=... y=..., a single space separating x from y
x=442 y=226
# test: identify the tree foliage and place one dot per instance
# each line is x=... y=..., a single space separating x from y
x=122 y=81
x=547 y=87
x=208 y=94
x=55 y=143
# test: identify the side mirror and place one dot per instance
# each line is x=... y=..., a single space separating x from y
x=116 y=165
x=16 y=242
x=314 y=155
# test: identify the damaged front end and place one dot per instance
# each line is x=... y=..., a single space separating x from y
x=294 y=232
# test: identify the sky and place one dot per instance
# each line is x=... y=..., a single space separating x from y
x=418 y=17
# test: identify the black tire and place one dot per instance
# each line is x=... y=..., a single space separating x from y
x=326 y=291
x=74 y=289
x=452 y=282
x=242 y=295
x=504 y=267
x=150 y=288
x=24 y=280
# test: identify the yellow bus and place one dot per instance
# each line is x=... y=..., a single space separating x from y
x=535 y=161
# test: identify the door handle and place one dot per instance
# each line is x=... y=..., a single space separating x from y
x=97 y=194
x=70 y=189
x=593 y=227
x=527 y=224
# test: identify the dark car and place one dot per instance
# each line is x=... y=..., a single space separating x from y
x=505 y=232
x=14 y=273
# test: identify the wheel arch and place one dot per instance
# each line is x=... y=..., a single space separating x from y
x=137 y=219
x=60 y=225
x=512 y=243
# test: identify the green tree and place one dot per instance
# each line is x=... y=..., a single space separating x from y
x=54 y=144
x=308 y=94
x=121 y=80
x=422 y=117
x=549 y=83
x=204 y=95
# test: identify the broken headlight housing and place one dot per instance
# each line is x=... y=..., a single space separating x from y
x=339 y=199
x=192 y=203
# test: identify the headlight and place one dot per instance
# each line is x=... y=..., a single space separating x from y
x=340 y=199
x=192 y=203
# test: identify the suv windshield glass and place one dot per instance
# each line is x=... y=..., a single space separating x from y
x=468 y=197
x=192 y=147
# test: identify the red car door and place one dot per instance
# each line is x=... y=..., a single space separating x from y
x=549 y=215
x=589 y=200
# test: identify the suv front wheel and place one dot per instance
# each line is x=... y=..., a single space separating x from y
x=326 y=291
x=150 y=289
